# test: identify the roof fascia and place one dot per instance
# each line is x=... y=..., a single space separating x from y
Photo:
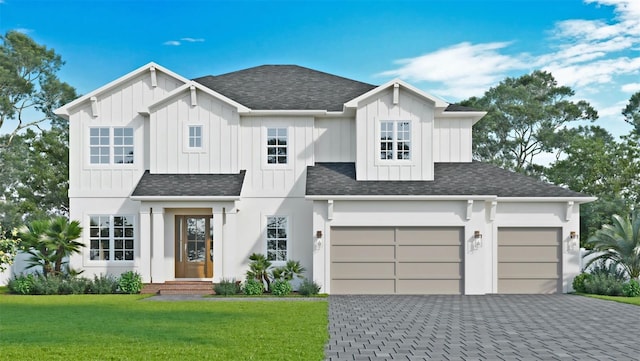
x=63 y=111
x=398 y=198
x=439 y=103
x=578 y=200
x=475 y=116
x=186 y=87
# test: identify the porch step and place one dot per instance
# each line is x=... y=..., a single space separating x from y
x=179 y=288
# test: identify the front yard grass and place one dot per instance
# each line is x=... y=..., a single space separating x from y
x=124 y=327
x=621 y=299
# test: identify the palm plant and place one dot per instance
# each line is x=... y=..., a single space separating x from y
x=62 y=235
x=37 y=244
x=619 y=242
x=259 y=268
x=292 y=269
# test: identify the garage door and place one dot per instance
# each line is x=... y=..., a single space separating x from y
x=388 y=260
x=529 y=260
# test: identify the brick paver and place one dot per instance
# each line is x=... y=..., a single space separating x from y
x=492 y=327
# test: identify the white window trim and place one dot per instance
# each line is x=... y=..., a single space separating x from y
x=378 y=150
x=204 y=137
x=265 y=222
x=112 y=262
x=112 y=164
x=263 y=145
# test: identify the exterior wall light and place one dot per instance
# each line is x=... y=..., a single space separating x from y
x=477 y=240
x=318 y=241
x=574 y=241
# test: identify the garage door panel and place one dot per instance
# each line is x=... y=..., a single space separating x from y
x=429 y=253
x=444 y=287
x=372 y=286
x=384 y=260
x=364 y=269
x=431 y=236
x=362 y=253
x=523 y=253
x=360 y=236
x=431 y=270
x=529 y=270
x=529 y=260
x=524 y=286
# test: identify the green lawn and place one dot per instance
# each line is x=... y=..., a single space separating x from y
x=621 y=299
x=125 y=327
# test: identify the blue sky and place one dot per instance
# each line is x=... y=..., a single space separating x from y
x=452 y=49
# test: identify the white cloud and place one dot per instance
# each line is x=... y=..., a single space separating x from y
x=171 y=43
x=630 y=88
x=24 y=30
x=193 y=40
x=583 y=54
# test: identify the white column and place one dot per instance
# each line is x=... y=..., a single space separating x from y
x=320 y=271
x=218 y=244
x=144 y=248
x=231 y=268
x=158 y=273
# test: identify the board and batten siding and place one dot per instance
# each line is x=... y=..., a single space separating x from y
x=266 y=180
x=452 y=140
x=116 y=107
x=335 y=140
x=380 y=108
x=169 y=133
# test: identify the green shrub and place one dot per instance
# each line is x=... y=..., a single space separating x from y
x=227 y=287
x=253 y=287
x=631 y=289
x=22 y=284
x=281 y=288
x=578 y=282
x=604 y=284
x=103 y=284
x=130 y=282
x=308 y=288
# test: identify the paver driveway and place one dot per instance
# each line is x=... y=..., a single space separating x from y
x=492 y=327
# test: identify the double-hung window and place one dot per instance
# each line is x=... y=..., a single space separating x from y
x=195 y=136
x=277 y=238
x=395 y=140
x=277 y=140
x=111 y=238
x=111 y=145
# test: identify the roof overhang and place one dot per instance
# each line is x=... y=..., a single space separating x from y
x=190 y=85
x=487 y=198
x=65 y=110
x=185 y=198
x=475 y=116
x=437 y=102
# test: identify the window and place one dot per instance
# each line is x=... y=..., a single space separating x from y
x=111 y=238
x=277 y=238
x=395 y=140
x=103 y=148
x=277 y=146
x=123 y=145
x=99 y=145
x=195 y=136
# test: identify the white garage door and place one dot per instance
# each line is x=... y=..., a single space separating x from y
x=529 y=260
x=389 y=260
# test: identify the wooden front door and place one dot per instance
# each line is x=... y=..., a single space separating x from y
x=194 y=247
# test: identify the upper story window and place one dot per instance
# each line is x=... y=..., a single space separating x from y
x=195 y=136
x=99 y=145
x=277 y=145
x=123 y=145
x=111 y=145
x=111 y=238
x=277 y=238
x=395 y=140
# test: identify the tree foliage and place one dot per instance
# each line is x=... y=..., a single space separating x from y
x=631 y=113
x=526 y=116
x=29 y=89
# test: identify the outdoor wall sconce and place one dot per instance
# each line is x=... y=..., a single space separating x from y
x=318 y=241
x=574 y=240
x=318 y=234
x=573 y=235
x=477 y=240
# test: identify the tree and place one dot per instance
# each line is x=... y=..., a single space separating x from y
x=49 y=242
x=631 y=112
x=35 y=177
x=29 y=89
x=526 y=116
x=9 y=247
x=619 y=242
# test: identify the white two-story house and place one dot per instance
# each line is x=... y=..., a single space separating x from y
x=372 y=188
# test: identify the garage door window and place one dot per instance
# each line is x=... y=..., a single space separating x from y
x=277 y=238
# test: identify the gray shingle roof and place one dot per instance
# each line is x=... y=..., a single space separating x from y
x=473 y=178
x=286 y=87
x=291 y=87
x=189 y=185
